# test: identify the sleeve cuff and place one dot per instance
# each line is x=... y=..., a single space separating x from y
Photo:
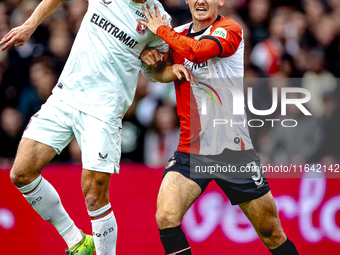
x=159 y=28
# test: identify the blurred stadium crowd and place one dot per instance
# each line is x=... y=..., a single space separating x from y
x=288 y=43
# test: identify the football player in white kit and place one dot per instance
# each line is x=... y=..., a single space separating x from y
x=93 y=93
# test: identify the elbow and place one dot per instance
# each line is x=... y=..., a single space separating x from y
x=195 y=58
x=200 y=60
x=198 y=57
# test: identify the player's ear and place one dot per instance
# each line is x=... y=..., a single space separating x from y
x=187 y=2
x=221 y=3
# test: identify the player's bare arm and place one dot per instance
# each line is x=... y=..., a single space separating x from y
x=18 y=36
x=162 y=69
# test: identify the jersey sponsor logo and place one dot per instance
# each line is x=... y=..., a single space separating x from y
x=141 y=29
x=140 y=14
x=220 y=32
x=113 y=30
x=193 y=66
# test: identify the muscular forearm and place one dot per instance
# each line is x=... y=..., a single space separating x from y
x=18 y=36
x=165 y=74
x=44 y=10
x=163 y=71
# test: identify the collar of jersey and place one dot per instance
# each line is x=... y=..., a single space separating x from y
x=138 y=4
x=202 y=31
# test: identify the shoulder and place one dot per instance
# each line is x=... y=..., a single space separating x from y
x=160 y=7
x=182 y=28
x=227 y=24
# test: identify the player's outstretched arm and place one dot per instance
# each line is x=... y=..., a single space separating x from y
x=18 y=36
x=157 y=67
x=195 y=51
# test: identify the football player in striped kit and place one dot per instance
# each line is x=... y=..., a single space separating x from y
x=212 y=48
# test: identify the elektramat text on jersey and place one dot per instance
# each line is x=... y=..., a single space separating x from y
x=113 y=30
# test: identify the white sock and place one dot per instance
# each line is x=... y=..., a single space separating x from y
x=45 y=200
x=104 y=227
x=73 y=237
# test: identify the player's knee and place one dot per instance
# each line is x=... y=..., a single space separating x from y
x=167 y=219
x=272 y=235
x=95 y=187
x=19 y=180
x=270 y=228
x=267 y=231
x=96 y=200
x=92 y=200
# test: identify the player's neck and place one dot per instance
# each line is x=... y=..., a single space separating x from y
x=200 y=25
x=139 y=1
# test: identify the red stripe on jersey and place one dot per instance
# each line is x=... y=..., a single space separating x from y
x=187 y=111
x=242 y=145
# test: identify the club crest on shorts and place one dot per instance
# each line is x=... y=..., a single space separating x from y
x=141 y=29
x=170 y=164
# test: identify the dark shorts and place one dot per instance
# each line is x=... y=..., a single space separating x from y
x=238 y=173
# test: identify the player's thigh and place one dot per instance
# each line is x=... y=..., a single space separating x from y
x=47 y=134
x=30 y=160
x=247 y=181
x=176 y=195
x=262 y=213
x=100 y=143
x=51 y=124
x=95 y=186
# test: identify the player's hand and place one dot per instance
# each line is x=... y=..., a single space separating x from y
x=151 y=57
x=181 y=71
x=154 y=20
x=17 y=37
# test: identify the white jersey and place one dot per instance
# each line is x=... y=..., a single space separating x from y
x=209 y=123
x=101 y=73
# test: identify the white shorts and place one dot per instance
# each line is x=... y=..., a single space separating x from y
x=57 y=123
